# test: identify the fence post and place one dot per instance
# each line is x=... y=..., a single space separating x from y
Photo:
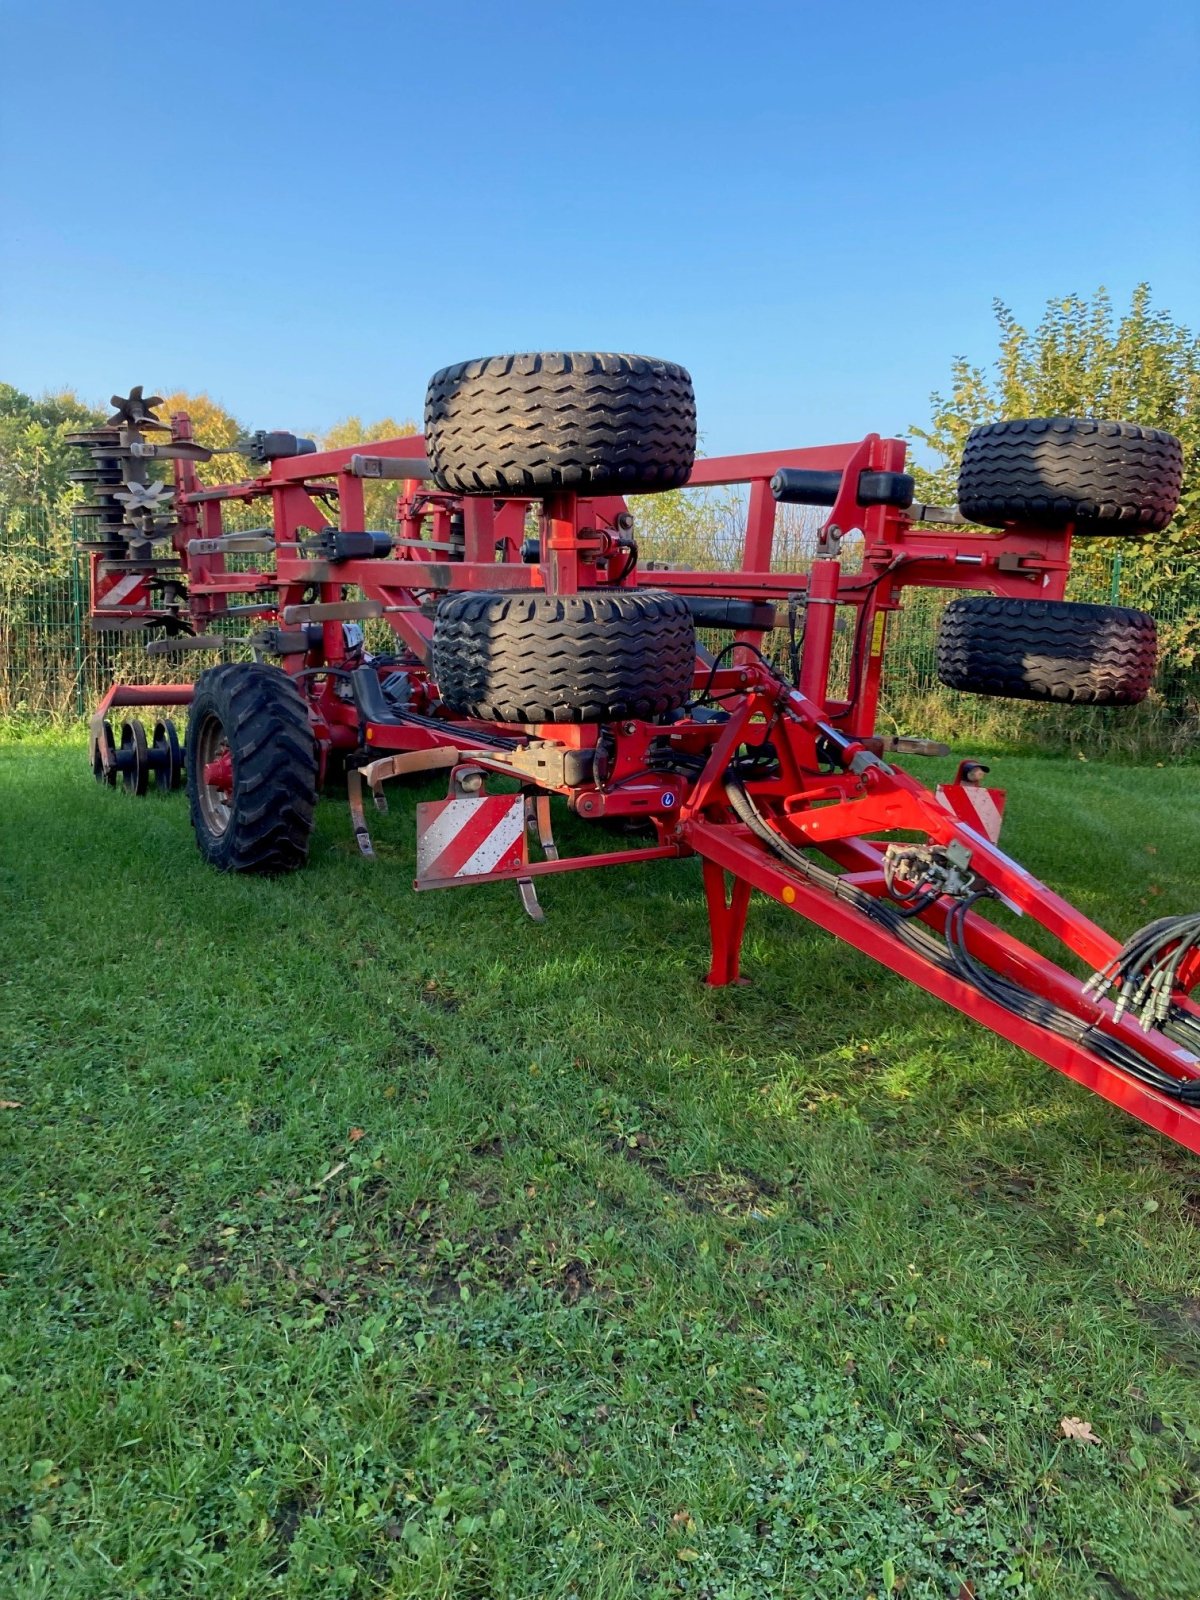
x=77 y=627
x=1116 y=580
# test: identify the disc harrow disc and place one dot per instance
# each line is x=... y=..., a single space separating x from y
x=104 y=756
x=166 y=756
x=133 y=758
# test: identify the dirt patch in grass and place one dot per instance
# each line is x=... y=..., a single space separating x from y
x=285 y=1523
x=991 y=1181
x=576 y=1282
x=439 y=996
x=730 y=1191
x=637 y=1149
x=492 y=1147
x=1176 y=1325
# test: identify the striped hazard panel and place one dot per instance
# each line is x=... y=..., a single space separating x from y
x=124 y=591
x=980 y=808
x=470 y=837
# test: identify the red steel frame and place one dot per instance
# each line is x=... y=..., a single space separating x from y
x=839 y=808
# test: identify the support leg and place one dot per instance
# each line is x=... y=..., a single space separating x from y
x=726 y=924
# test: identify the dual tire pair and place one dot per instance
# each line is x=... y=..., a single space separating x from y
x=601 y=657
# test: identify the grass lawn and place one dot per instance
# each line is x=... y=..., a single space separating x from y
x=364 y=1243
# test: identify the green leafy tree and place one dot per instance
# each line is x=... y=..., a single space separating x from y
x=35 y=531
x=353 y=430
x=379 y=497
x=212 y=426
x=35 y=460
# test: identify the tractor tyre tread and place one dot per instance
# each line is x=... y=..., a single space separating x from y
x=1050 y=650
x=1110 y=479
x=266 y=724
x=589 y=657
x=585 y=421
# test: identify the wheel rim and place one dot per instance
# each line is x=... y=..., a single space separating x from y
x=211 y=748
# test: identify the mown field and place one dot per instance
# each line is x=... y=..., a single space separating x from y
x=358 y=1243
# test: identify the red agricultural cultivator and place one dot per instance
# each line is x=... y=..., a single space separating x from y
x=534 y=652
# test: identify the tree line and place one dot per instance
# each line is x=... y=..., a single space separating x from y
x=1082 y=358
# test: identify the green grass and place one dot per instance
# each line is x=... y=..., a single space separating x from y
x=364 y=1243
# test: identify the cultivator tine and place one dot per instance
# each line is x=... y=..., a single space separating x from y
x=376 y=773
x=539 y=817
x=529 y=899
x=354 y=794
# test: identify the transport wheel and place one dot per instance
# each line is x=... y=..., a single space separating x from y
x=133 y=757
x=166 y=756
x=1112 y=479
x=1047 y=650
x=587 y=657
x=251 y=769
x=581 y=420
x=104 y=743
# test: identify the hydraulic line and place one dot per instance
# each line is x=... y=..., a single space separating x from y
x=954 y=956
x=1148 y=968
x=477 y=738
x=1044 y=1013
x=913 y=934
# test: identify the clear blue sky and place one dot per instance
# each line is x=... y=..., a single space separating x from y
x=306 y=208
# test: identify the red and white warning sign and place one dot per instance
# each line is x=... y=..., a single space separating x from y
x=124 y=593
x=971 y=803
x=470 y=837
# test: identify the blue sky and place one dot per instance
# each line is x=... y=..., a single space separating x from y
x=304 y=209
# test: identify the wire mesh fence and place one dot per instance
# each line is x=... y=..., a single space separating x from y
x=53 y=667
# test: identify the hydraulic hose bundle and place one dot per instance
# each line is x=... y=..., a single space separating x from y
x=1152 y=968
x=1015 y=997
x=1037 y=1009
x=1149 y=968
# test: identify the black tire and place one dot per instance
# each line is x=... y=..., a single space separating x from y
x=258 y=714
x=531 y=424
x=590 y=657
x=1108 y=478
x=1053 y=650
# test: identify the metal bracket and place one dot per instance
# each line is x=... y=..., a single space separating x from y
x=333 y=611
x=902 y=745
x=188 y=641
x=258 y=543
x=917 y=512
x=389 y=467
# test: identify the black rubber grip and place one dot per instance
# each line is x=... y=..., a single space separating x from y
x=709 y=611
x=886 y=489
x=798 y=486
